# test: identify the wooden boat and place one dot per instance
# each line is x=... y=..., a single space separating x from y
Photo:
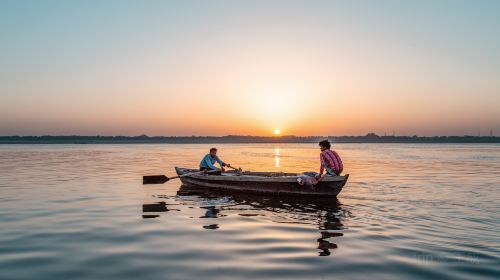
x=271 y=183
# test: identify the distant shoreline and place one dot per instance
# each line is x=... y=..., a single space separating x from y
x=144 y=139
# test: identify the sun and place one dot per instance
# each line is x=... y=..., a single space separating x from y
x=277 y=132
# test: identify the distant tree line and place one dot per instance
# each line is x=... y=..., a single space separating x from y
x=142 y=139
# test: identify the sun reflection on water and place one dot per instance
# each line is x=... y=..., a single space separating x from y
x=277 y=157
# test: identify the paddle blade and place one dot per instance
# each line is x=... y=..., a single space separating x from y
x=154 y=179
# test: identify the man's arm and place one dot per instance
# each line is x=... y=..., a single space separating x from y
x=322 y=168
x=209 y=163
x=319 y=179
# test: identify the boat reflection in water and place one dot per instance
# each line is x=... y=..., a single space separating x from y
x=153 y=208
x=325 y=214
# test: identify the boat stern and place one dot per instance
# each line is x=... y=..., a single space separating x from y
x=179 y=170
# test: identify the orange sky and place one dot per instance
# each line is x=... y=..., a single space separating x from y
x=180 y=68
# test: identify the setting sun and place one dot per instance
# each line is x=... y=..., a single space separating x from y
x=277 y=132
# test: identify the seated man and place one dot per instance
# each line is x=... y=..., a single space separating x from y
x=207 y=163
x=330 y=160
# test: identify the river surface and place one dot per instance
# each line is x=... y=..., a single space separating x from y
x=409 y=211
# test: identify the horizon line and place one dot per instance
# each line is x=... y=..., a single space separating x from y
x=371 y=134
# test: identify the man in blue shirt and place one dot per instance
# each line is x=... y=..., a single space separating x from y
x=207 y=163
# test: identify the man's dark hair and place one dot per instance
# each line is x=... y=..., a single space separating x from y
x=213 y=149
x=325 y=143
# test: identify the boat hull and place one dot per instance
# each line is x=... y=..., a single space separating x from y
x=263 y=183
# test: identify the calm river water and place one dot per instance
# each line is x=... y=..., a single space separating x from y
x=409 y=211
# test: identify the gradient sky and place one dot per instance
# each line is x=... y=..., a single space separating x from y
x=249 y=67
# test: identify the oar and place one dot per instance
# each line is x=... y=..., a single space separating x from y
x=160 y=179
x=235 y=168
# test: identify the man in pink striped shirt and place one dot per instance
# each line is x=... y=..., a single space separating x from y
x=330 y=160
